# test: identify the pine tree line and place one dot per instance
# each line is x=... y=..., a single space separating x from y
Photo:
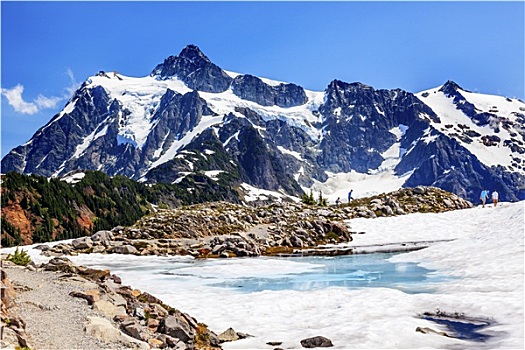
x=54 y=207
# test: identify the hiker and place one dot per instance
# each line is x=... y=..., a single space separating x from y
x=495 y=197
x=338 y=201
x=484 y=195
x=350 y=196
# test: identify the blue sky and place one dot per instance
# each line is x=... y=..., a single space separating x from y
x=49 y=48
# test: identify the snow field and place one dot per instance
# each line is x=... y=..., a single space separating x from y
x=484 y=262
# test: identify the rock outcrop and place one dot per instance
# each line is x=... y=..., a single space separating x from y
x=136 y=319
x=195 y=70
x=222 y=229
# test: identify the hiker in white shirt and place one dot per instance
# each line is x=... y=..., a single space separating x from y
x=495 y=197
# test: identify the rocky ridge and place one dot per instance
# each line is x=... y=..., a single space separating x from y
x=225 y=230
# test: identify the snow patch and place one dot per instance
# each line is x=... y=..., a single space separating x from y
x=81 y=148
x=484 y=264
x=449 y=114
x=294 y=154
x=254 y=194
x=206 y=122
x=213 y=174
x=73 y=178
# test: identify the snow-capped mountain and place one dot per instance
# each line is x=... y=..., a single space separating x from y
x=189 y=116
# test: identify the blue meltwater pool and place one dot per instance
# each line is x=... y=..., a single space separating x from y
x=304 y=273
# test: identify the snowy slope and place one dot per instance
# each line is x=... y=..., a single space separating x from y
x=507 y=123
x=141 y=97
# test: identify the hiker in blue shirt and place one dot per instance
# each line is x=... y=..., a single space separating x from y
x=484 y=195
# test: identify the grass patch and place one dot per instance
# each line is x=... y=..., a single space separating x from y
x=19 y=257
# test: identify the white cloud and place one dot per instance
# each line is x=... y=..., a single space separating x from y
x=73 y=85
x=15 y=99
x=47 y=102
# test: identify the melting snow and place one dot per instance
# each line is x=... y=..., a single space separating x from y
x=73 y=178
x=254 y=193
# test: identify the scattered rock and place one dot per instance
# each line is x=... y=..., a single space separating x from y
x=109 y=309
x=102 y=236
x=102 y=329
x=228 y=335
x=126 y=249
x=82 y=243
x=119 y=313
x=8 y=294
x=88 y=297
x=427 y=330
x=176 y=327
x=274 y=343
x=316 y=342
x=223 y=230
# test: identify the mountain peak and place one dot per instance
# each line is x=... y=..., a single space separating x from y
x=450 y=88
x=192 y=52
x=354 y=86
x=195 y=69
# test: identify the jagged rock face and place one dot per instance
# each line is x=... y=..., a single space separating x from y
x=55 y=142
x=195 y=70
x=254 y=89
x=358 y=121
x=447 y=165
x=181 y=112
x=175 y=116
x=260 y=163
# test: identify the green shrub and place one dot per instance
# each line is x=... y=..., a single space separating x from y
x=19 y=257
x=321 y=201
x=308 y=199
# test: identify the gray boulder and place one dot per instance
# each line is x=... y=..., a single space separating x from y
x=316 y=342
x=228 y=335
x=102 y=329
x=176 y=327
x=82 y=243
x=126 y=249
x=102 y=236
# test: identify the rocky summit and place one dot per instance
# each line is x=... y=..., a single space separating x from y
x=191 y=119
